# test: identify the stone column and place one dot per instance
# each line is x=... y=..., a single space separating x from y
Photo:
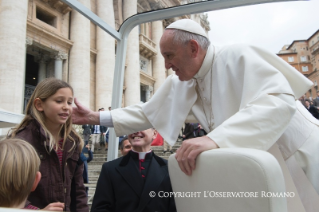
x=58 y=64
x=149 y=89
x=158 y=60
x=58 y=68
x=13 y=23
x=132 y=73
x=79 y=63
x=42 y=72
x=105 y=59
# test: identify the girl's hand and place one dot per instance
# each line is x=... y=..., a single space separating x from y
x=88 y=146
x=55 y=206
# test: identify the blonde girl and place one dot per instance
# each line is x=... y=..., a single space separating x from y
x=47 y=126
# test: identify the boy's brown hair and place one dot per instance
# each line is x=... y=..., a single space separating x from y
x=19 y=164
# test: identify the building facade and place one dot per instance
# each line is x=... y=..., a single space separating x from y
x=46 y=38
x=304 y=56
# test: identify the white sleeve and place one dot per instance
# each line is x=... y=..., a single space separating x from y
x=128 y=120
x=106 y=119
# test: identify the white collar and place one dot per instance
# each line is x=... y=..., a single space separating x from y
x=141 y=155
x=207 y=63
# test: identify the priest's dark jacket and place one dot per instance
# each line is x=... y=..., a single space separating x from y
x=123 y=187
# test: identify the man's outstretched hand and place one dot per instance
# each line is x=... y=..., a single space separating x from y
x=186 y=155
x=83 y=115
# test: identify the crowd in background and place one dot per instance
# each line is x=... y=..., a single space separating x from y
x=312 y=105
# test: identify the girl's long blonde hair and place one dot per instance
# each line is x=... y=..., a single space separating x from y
x=43 y=91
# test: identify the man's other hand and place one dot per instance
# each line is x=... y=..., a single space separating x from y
x=186 y=155
x=83 y=115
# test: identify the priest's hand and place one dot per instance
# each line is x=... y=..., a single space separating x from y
x=83 y=115
x=186 y=155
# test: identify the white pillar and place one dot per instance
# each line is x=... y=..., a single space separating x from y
x=42 y=72
x=158 y=60
x=58 y=65
x=79 y=63
x=105 y=59
x=58 y=68
x=148 y=90
x=13 y=23
x=132 y=73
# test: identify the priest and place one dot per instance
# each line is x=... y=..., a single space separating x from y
x=125 y=183
x=242 y=95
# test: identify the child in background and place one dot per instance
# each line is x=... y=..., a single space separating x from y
x=48 y=128
x=19 y=171
x=85 y=160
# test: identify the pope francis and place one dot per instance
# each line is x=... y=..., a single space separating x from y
x=242 y=95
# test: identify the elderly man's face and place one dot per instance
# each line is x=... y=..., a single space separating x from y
x=141 y=141
x=178 y=57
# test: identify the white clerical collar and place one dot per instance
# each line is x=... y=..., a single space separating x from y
x=207 y=63
x=141 y=155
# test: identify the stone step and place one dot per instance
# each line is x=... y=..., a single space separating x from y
x=94 y=173
x=102 y=152
x=93 y=179
x=161 y=147
x=91 y=191
x=93 y=183
x=99 y=155
x=99 y=159
x=94 y=167
x=90 y=185
x=160 y=153
x=96 y=163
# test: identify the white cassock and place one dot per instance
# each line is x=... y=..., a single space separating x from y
x=246 y=96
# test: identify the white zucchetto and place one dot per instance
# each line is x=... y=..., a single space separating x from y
x=189 y=26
